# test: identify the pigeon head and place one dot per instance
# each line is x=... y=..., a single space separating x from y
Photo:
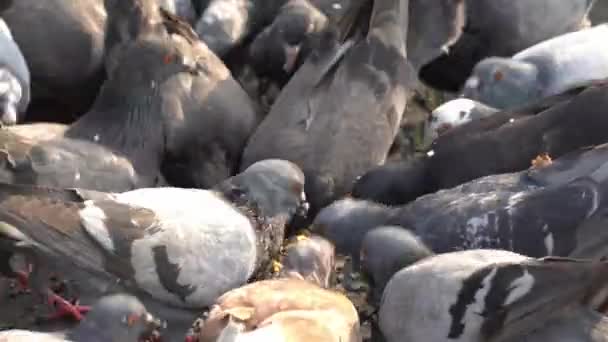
x=384 y=252
x=147 y=63
x=275 y=187
x=451 y=114
x=310 y=258
x=503 y=83
x=117 y=318
x=345 y=222
x=10 y=98
x=127 y=21
x=282 y=43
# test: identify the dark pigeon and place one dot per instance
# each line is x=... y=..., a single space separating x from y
x=394 y=183
x=504 y=142
x=63 y=44
x=538 y=212
x=493 y=295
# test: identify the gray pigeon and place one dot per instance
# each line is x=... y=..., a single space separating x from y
x=492 y=295
x=548 y=68
x=181 y=247
x=14 y=79
x=114 y=318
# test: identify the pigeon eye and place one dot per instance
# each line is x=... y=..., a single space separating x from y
x=238 y=192
x=169 y=59
x=498 y=75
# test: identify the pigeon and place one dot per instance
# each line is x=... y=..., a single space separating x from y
x=280 y=310
x=538 y=212
x=455 y=113
x=281 y=47
x=310 y=258
x=547 y=68
x=493 y=295
x=14 y=79
x=63 y=44
x=113 y=318
x=224 y=24
x=339 y=113
x=93 y=162
x=500 y=28
x=384 y=251
x=141 y=240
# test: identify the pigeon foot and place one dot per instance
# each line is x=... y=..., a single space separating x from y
x=63 y=308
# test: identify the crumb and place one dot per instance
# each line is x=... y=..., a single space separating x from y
x=542 y=160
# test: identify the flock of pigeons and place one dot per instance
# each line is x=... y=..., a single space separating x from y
x=196 y=169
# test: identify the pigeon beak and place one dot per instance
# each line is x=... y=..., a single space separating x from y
x=291 y=55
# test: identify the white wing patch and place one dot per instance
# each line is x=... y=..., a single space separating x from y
x=520 y=287
x=451 y=114
x=211 y=242
x=93 y=219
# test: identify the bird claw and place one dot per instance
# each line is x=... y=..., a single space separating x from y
x=64 y=308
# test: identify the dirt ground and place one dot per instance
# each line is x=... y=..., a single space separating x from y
x=24 y=311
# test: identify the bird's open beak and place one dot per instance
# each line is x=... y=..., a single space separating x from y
x=291 y=56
